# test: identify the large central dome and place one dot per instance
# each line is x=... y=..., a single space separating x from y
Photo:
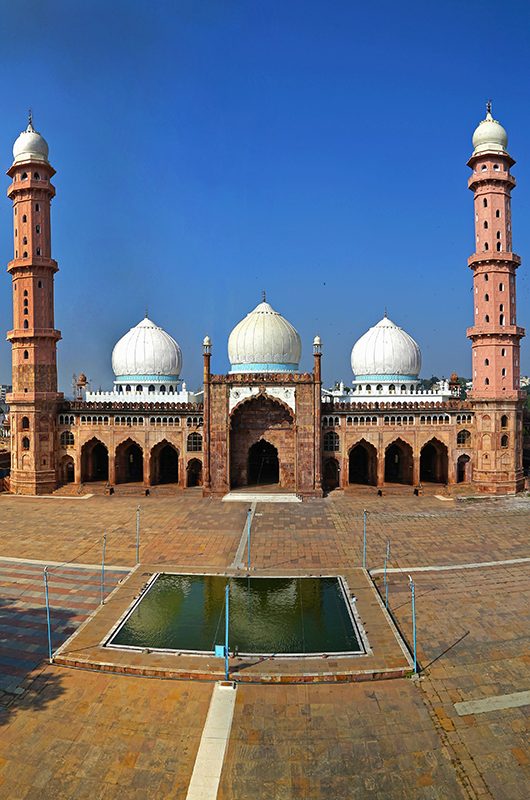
x=148 y=353
x=386 y=352
x=264 y=342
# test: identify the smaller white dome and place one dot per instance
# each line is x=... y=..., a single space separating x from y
x=30 y=146
x=147 y=352
x=386 y=351
x=264 y=341
x=489 y=136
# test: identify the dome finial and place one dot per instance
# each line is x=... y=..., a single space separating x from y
x=30 y=119
x=386 y=314
x=147 y=312
x=263 y=296
x=488 y=107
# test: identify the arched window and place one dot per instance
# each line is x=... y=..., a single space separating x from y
x=26 y=325
x=24 y=176
x=391 y=389
x=26 y=311
x=504 y=421
x=503 y=372
x=485 y=224
x=368 y=389
x=501 y=319
x=26 y=354
x=162 y=389
x=24 y=240
x=504 y=440
x=487 y=362
x=487 y=381
x=127 y=388
x=25 y=254
x=498 y=247
x=25 y=423
x=139 y=388
x=503 y=351
x=331 y=442
x=67 y=439
x=486 y=318
x=497 y=213
x=486 y=246
x=38 y=251
x=498 y=234
x=486 y=297
x=403 y=388
x=485 y=202
x=37 y=207
x=486 y=276
x=194 y=443
x=463 y=437
x=25 y=443
x=151 y=389
x=24 y=218
x=36 y=176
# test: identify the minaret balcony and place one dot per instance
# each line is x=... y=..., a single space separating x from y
x=498 y=331
x=33 y=333
x=506 y=259
x=489 y=175
x=32 y=262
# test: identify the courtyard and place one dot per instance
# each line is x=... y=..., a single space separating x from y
x=88 y=733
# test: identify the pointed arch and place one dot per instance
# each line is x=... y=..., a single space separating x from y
x=129 y=462
x=433 y=462
x=399 y=462
x=194 y=472
x=164 y=463
x=94 y=461
x=362 y=463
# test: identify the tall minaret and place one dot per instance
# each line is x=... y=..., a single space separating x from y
x=495 y=334
x=34 y=398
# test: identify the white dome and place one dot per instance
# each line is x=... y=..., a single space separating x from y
x=386 y=352
x=489 y=136
x=264 y=342
x=147 y=352
x=30 y=145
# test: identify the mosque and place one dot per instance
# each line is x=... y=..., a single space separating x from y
x=265 y=423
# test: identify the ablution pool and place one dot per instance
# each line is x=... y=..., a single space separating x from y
x=273 y=616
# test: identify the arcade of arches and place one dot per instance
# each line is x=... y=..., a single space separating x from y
x=160 y=466
x=396 y=464
x=262 y=444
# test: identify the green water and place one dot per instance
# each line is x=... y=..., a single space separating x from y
x=267 y=615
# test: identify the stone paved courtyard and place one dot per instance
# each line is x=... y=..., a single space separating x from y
x=67 y=733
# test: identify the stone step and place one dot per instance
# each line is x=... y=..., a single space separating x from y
x=260 y=497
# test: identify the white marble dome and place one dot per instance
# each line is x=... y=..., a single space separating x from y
x=489 y=136
x=264 y=342
x=30 y=145
x=147 y=352
x=386 y=352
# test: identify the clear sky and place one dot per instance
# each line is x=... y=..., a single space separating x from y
x=313 y=148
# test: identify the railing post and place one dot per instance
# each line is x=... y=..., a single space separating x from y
x=48 y=624
x=413 y=600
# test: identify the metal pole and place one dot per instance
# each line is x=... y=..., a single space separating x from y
x=411 y=582
x=364 y=538
x=249 y=517
x=48 y=614
x=227 y=614
x=387 y=557
x=103 y=569
x=138 y=534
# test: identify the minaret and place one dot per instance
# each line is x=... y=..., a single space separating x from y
x=34 y=398
x=495 y=334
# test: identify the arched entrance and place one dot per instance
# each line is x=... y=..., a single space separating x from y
x=433 y=462
x=164 y=463
x=463 y=469
x=67 y=470
x=398 y=462
x=129 y=462
x=263 y=465
x=94 y=461
x=362 y=464
x=194 y=473
x=330 y=474
x=262 y=443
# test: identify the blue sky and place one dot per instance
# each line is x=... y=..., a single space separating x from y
x=206 y=151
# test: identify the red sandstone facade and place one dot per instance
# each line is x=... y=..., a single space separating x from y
x=272 y=427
